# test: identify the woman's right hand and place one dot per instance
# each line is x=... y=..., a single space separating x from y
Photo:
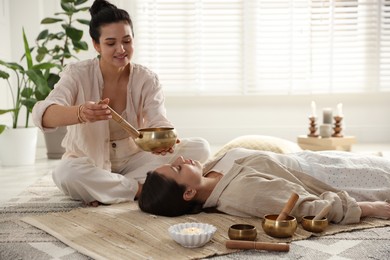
x=93 y=111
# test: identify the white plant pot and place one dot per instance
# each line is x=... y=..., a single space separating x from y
x=18 y=146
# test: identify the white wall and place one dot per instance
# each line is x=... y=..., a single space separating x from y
x=221 y=118
x=5 y=44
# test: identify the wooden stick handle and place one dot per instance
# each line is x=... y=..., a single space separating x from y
x=124 y=124
x=288 y=207
x=240 y=244
x=323 y=212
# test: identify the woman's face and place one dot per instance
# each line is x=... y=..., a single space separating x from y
x=184 y=171
x=115 y=44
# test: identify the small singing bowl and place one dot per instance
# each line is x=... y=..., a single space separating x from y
x=279 y=228
x=156 y=139
x=316 y=226
x=242 y=232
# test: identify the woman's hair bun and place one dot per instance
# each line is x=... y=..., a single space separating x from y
x=99 y=5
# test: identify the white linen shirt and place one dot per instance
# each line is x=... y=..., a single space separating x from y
x=83 y=81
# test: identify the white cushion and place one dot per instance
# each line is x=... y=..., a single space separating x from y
x=260 y=142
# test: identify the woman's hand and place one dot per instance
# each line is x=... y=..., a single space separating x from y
x=92 y=111
x=165 y=151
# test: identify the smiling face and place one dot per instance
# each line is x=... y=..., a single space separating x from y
x=183 y=171
x=115 y=44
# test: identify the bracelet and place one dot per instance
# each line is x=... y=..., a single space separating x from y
x=81 y=120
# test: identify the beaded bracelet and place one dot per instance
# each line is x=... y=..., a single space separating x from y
x=81 y=120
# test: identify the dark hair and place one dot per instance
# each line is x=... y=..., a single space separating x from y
x=163 y=196
x=102 y=13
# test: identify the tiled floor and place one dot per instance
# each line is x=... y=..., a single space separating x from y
x=13 y=180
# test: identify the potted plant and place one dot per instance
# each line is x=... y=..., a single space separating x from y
x=58 y=48
x=30 y=86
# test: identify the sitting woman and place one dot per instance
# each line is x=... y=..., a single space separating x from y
x=251 y=183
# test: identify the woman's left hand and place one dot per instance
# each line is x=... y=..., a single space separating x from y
x=165 y=151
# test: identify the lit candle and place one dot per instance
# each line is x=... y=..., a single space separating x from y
x=313 y=109
x=327 y=115
x=340 y=109
x=192 y=231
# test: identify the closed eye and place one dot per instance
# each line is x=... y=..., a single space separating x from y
x=176 y=169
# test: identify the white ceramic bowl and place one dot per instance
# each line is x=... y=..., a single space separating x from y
x=192 y=234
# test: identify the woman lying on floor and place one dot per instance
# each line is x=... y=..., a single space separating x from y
x=251 y=183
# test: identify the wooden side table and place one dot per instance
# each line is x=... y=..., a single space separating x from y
x=321 y=144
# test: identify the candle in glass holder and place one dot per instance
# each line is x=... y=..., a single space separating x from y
x=327 y=116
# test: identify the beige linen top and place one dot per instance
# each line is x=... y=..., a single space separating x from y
x=83 y=81
x=258 y=185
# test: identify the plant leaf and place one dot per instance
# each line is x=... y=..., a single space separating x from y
x=45 y=65
x=40 y=82
x=83 y=9
x=3 y=111
x=3 y=74
x=74 y=34
x=81 y=45
x=27 y=92
x=12 y=65
x=52 y=80
x=43 y=35
x=2 y=128
x=50 y=20
x=27 y=51
x=29 y=103
x=80 y=2
x=68 y=7
x=83 y=21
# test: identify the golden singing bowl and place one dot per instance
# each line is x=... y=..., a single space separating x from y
x=156 y=139
x=281 y=228
x=315 y=226
x=242 y=232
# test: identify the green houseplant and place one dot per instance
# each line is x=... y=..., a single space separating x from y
x=59 y=47
x=18 y=142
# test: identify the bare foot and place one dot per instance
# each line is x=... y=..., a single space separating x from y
x=379 y=209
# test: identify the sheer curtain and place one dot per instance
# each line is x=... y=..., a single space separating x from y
x=246 y=47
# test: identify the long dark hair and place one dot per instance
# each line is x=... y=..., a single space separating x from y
x=163 y=196
x=102 y=12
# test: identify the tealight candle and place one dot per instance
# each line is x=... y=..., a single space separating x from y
x=191 y=231
x=327 y=116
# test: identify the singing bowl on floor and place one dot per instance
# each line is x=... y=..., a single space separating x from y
x=156 y=139
x=279 y=228
x=315 y=226
x=242 y=232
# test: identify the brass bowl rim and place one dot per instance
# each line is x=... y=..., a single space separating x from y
x=290 y=218
x=242 y=227
x=310 y=218
x=156 y=129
